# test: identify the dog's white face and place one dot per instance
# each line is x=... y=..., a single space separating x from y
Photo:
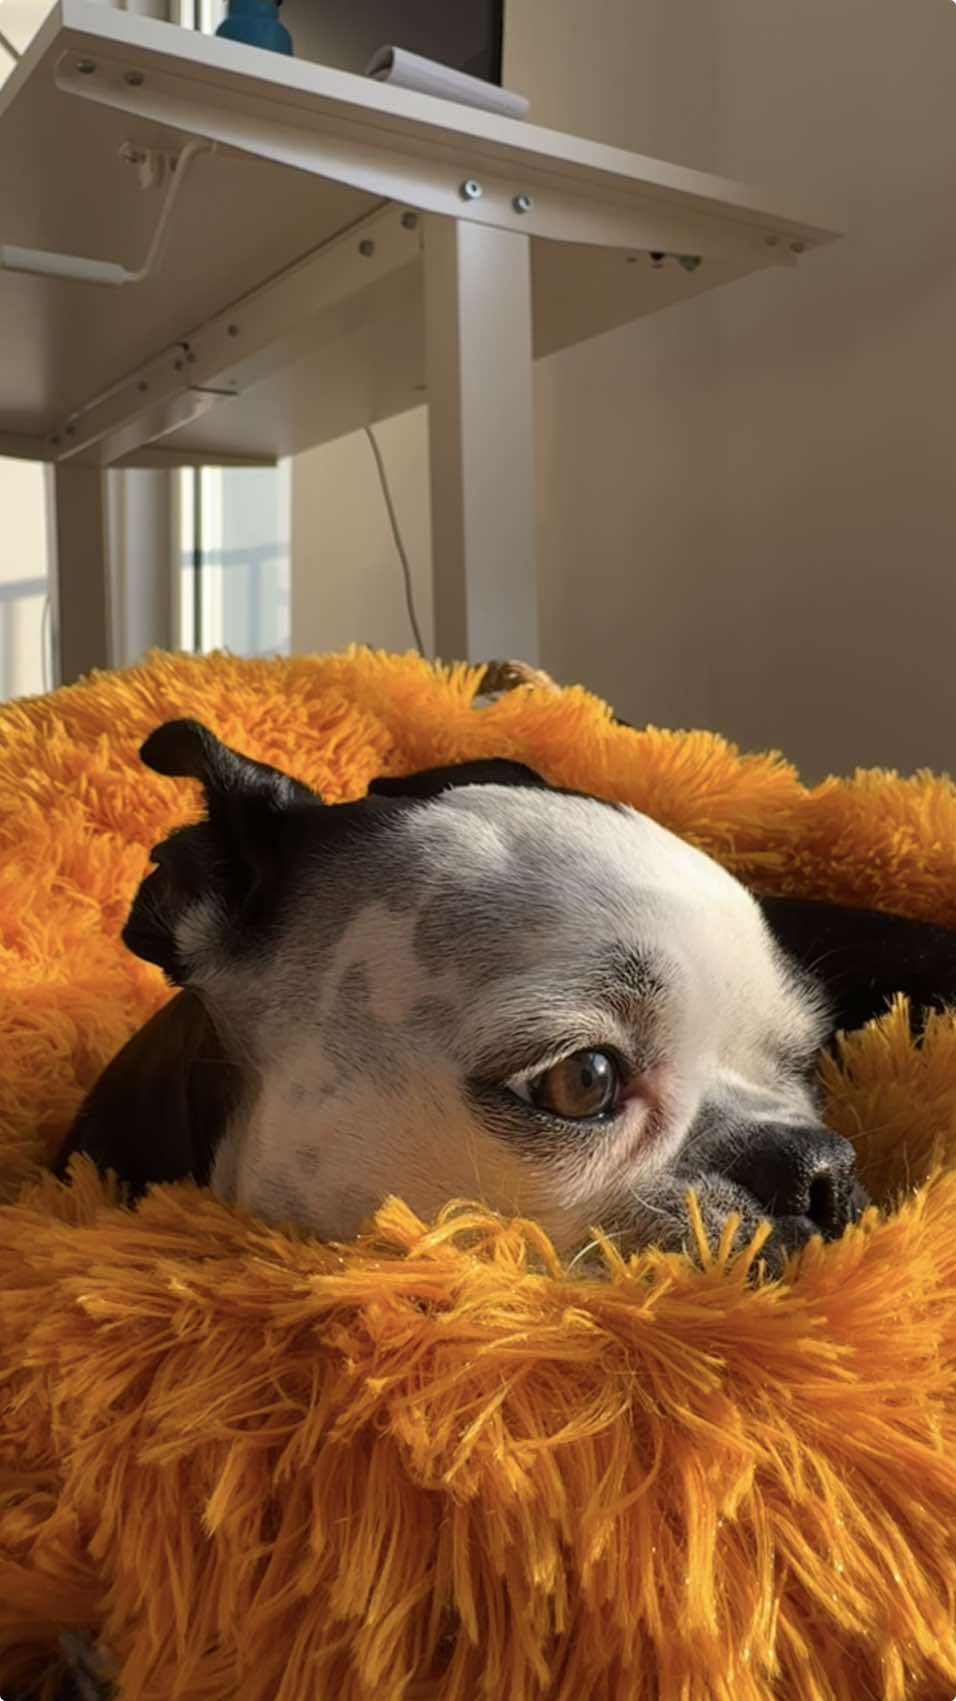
x=501 y=993
x=475 y=990
x=527 y=998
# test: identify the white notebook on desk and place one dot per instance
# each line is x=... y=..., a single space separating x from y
x=404 y=70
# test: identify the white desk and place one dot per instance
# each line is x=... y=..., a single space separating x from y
x=325 y=269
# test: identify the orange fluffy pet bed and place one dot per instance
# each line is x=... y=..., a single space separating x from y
x=428 y=1466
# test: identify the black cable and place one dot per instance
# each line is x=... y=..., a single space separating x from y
x=396 y=534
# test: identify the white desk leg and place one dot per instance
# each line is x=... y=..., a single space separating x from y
x=481 y=441
x=80 y=572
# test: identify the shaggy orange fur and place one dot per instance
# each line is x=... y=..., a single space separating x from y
x=428 y=1466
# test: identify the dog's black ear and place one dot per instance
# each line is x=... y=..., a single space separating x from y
x=863 y=958
x=489 y=771
x=160 y=1109
x=188 y=750
x=219 y=873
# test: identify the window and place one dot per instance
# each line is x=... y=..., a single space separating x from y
x=234 y=555
x=234 y=560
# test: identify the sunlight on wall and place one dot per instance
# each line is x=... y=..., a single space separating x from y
x=24 y=619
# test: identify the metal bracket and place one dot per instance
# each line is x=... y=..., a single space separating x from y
x=226 y=354
x=420 y=170
x=153 y=165
x=77 y=266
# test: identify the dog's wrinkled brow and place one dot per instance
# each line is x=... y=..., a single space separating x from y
x=626 y=981
x=537 y=1015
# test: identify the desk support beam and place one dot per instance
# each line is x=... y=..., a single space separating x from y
x=481 y=441
x=80 y=580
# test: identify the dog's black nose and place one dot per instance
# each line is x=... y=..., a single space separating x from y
x=806 y=1174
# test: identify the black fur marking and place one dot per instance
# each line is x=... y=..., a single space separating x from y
x=491 y=771
x=230 y=860
x=863 y=958
x=159 y=1110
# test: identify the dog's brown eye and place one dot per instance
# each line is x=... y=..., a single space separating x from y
x=582 y=1085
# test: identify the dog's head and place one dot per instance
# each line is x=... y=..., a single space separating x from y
x=470 y=984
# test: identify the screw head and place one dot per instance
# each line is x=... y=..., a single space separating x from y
x=71 y=431
x=366 y=248
x=797 y=247
x=86 y=67
x=690 y=262
x=135 y=79
x=772 y=241
x=471 y=189
x=232 y=330
x=409 y=221
x=142 y=386
x=522 y=203
x=178 y=365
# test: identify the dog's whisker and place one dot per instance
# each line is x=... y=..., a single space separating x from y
x=592 y=1246
x=653 y=1210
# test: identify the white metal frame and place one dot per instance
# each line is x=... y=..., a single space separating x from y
x=110 y=533
x=351 y=143
x=481 y=439
x=229 y=352
x=478 y=189
x=81 y=625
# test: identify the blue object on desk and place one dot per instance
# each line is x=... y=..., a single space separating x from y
x=257 y=23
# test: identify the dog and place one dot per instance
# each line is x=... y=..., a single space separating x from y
x=473 y=984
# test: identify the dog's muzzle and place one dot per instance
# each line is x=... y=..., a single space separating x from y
x=804 y=1178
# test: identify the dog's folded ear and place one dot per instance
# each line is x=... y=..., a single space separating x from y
x=488 y=771
x=863 y=958
x=160 y=1108
x=188 y=750
x=214 y=879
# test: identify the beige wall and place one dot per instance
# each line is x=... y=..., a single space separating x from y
x=347 y=584
x=747 y=505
